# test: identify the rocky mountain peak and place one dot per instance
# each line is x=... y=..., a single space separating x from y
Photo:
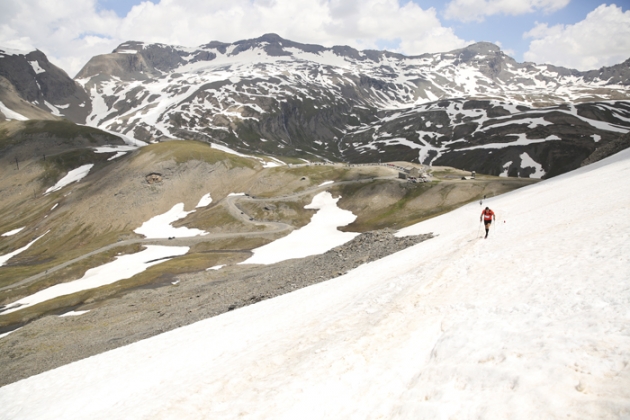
x=271 y=38
x=480 y=51
x=133 y=60
x=36 y=88
x=275 y=46
x=129 y=47
x=483 y=48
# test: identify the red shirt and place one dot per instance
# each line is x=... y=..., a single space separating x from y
x=487 y=214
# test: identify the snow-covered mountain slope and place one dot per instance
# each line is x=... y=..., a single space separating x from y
x=530 y=323
x=33 y=88
x=275 y=96
x=492 y=136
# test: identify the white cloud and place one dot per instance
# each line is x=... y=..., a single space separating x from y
x=74 y=30
x=601 y=39
x=64 y=30
x=361 y=24
x=477 y=10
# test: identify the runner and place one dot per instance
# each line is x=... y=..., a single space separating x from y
x=488 y=216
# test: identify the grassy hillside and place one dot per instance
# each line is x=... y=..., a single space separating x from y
x=98 y=215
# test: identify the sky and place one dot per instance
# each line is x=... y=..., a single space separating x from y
x=530 y=323
x=581 y=34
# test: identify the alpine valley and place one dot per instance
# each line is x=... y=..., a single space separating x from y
x=165 y=185
x=475 y=108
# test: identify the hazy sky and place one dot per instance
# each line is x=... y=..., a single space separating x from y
x=582 y=34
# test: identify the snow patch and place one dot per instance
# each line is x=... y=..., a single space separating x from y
x=274 y=164
x=74 y=313
x=319 y=236
x=205 y=201
x=13 y=51
x=10 y=114
x=521 y=141
x=53 y=109
x=123 y=267
x=117 y=155
x=13 y=232
x=160 y=226
x=130 y=141
x=506 y=167
x=118 y=150
x=9 y=332
x=6 y=257
x=74 y=175
x=36 y=68
x=528 y=162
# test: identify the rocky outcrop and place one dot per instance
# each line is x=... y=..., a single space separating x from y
x=609 y=149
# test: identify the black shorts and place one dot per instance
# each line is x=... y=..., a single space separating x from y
x=487 y=222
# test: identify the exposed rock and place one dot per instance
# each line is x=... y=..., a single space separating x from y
x=154 y=178
x=38 y=82
x=612 y=147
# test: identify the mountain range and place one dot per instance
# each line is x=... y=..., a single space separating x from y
x=135 y=195
x=474 y=108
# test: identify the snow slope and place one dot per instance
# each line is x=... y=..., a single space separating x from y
x=230 y=94
x=533 y=322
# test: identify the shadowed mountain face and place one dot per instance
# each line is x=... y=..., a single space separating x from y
x=35 y=88
x=474 y=108
x=492 y=136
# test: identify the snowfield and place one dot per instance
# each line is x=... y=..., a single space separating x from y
x=532 y=323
